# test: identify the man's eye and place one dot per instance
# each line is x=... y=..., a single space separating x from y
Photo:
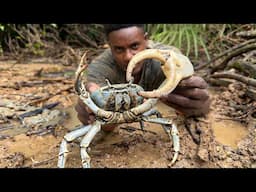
x=119 y=49
x=135 y=46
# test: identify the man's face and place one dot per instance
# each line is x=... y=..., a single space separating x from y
x=125 y=43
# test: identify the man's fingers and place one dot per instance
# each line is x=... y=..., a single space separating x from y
x=194 y=93
x=193 y=81
x=182 y=101
x=189 y=107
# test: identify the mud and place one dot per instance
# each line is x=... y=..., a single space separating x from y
x=226 y=142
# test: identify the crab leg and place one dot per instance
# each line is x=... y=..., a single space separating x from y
x=147 y=105
x=84 y=94
x=81 y=67
x=176 y=143
x=96 y=126
x=173 y=134
x=163 y=121
x=68 y=138
x=62 y=154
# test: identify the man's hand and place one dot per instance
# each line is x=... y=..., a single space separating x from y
x=190 y=97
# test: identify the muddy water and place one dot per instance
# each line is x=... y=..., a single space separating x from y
x=229 y=132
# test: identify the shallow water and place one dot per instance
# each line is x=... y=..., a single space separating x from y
x=229 y=132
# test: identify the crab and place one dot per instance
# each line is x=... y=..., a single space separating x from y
x=128 y=102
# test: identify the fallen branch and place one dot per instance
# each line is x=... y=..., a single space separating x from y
x=244 y=67
x=218 y=82
x=225 y=53
x=250 y=92
x=232 y=54
x=249 y=34
x=241 y=78
x=41 y=132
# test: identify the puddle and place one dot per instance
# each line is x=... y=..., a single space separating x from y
x=229 y=132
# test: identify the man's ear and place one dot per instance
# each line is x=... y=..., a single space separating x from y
x=146 y=36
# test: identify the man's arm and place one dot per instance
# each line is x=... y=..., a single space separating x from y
x=190 y=97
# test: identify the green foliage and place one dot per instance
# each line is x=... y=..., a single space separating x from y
x=187 y=37
x=221 y=37
x=2 y=27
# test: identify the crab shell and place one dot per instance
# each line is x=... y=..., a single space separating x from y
x=175 y=67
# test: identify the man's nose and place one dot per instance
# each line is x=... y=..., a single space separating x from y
x=128 y=55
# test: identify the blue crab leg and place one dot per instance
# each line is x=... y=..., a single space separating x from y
x=163 y=121
x=96 y=126
x=68 y=138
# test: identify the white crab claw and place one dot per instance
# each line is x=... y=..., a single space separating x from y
x=175 y=67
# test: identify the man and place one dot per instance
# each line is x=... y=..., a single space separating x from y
x=190 y=97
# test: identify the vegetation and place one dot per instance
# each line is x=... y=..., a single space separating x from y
x=64 y=40
x=187 y=37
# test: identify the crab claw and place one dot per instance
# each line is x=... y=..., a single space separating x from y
x=84 y=94
x=81 y=67
x=175 y=67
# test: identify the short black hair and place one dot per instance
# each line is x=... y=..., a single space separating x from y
x=113 y=27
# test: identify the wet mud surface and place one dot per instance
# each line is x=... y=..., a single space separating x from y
x=227 y=134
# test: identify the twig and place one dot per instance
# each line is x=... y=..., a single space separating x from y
x=6 y=127
x=49 y=96
x=38 y=111
x=243 y=79
x=43 y=162
x=41 y=132
x=134 y=129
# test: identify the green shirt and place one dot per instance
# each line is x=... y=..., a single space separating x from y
x=104 y=67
